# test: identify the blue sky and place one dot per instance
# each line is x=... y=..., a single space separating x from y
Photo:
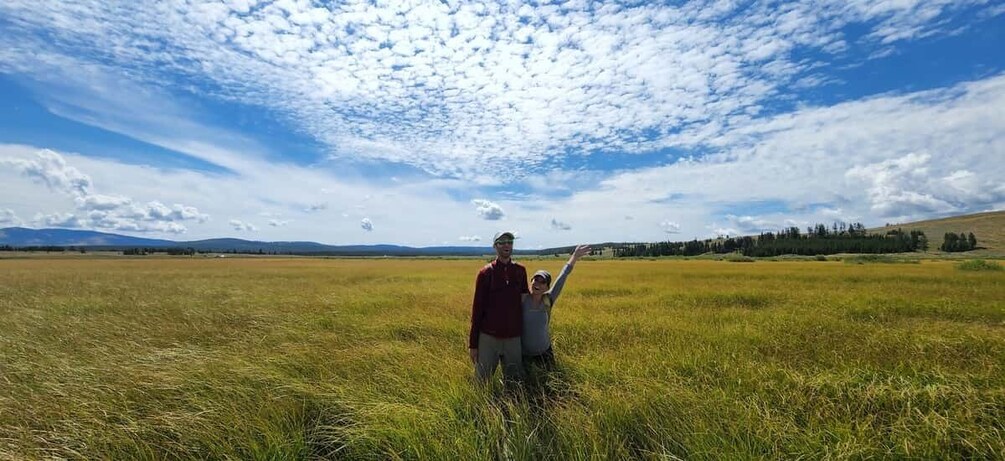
x=432 y=123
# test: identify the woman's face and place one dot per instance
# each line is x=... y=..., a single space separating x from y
x=537 y=286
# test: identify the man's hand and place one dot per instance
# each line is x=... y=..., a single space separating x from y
x=579 y=252
x=473 y=352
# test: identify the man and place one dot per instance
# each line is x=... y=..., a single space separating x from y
x=496 y=315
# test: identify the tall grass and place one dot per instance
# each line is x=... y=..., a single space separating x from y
x=366 y=359
x=979 y=265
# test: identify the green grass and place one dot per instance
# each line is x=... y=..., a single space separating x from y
x=979 y=265
x=738 y=258
x=881 y=259
x=365 y=359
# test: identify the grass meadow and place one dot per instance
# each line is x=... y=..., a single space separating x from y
x=366 y=359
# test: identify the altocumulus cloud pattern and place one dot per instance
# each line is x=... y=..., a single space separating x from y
x=464 y=87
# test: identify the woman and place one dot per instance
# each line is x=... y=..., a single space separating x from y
x=536 y=340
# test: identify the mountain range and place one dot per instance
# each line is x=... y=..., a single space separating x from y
x=24 y=237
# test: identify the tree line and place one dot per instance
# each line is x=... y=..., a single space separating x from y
x=45 y=248
x=954 y=243
x=174 y=251
x=816 y=240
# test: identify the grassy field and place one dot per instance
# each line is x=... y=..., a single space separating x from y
x=366 y=359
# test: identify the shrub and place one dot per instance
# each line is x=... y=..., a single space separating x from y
x=870 y=258
x=820 y=258
x=979 y=265
x=862 y=259
x=735 y=258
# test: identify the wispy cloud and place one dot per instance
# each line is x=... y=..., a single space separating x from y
x=478 y=93
x=407 y=211
x=9 y=218
x=670 y=227
x=855 y=161
x=751 y=224
x=242 y=226
x=890 y=153
x=558 y=225
x=469 y=238
x=278 y=222
x=469 y=88
x=316 y=207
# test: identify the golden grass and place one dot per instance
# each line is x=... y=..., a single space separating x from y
x=365 y=359
x=989 y=228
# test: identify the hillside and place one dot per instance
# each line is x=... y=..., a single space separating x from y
x=20 y=236
x=989 y=228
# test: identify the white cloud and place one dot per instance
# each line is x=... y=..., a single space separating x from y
x=470 y=238
x=724 y=232
x=670 y=227
x=94 y=210
x=751 y=224
x=590 y=79
x=239 y=225
x=102 y=202
x=278 y=222
x=993 y=11
x=488 y=210
x=558 y=225
x=468 y=88
x=106 y=221
x=906 y=186
x=177 y=212
x=67 y=220
x=414 y=210
x=366 y=224
x=800 y=160
x=50 y=168
x=9 y=218
x=313 y=208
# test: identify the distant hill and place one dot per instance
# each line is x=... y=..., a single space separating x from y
x=989 y=228
x=23 y=237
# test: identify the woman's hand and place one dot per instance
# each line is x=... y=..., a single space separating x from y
x=474 y=355
x=579 y=252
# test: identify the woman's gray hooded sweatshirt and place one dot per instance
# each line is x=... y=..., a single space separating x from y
x=536 y=338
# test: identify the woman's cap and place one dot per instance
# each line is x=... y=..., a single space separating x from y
x=545 y=275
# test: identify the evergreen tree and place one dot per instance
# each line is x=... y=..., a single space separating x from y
x=948 y=242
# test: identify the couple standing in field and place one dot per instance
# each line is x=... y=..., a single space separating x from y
x=509 y=320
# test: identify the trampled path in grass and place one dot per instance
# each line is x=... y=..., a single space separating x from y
x=366 y=359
